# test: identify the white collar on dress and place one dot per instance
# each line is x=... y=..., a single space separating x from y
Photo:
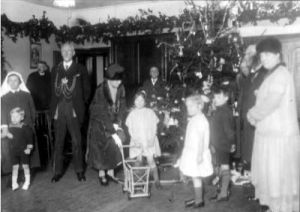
x=14 y=91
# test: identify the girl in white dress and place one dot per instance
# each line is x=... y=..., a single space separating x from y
x=195 y=160
x=142 y=125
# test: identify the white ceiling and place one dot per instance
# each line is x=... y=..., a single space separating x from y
x=81 y=4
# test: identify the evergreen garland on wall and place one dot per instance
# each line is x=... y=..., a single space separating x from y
x=193 y=31
x=144 y=22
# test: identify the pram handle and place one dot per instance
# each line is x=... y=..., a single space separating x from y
x=127 y=146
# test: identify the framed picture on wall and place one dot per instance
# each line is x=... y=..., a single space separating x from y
x=35 y=54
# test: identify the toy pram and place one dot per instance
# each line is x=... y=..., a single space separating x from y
x=136 y=176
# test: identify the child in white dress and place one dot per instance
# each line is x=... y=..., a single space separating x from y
x=142 y=125
x=195 y=160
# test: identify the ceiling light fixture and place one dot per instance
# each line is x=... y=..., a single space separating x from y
x=64 y=3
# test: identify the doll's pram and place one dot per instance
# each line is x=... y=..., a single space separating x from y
x=136 y=176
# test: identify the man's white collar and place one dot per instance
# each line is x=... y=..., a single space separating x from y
x=153 y=80
x=69 y=63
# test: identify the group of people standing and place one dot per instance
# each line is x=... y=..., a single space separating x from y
x=270 y=130
x=270 y=135
x=65 y=93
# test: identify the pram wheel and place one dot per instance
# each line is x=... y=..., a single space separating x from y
x=128 y=196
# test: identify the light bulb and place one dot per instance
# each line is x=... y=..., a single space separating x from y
x=208 y=41
x=180 y=51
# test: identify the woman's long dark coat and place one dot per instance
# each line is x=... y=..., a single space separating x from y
x=102 y=152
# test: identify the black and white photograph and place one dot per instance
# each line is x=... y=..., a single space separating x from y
x=150 y=105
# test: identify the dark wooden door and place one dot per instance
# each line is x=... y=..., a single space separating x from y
x=89 y=58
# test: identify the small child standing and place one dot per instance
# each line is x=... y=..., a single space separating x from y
x=222 y=138
x=195 y=160
x=142 y=126
x=21 y=144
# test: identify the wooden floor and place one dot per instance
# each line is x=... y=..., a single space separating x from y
x=70 y=195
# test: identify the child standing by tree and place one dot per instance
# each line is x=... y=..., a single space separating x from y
x=222 y=138
x=195 y=160
x=21 y=144
x=142 y=126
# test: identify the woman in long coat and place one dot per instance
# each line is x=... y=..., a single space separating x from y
x=276 y=150
x=14 y=94
x=107 y=114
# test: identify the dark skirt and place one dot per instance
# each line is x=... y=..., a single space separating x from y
x=102 y=152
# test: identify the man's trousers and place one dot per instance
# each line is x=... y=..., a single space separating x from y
x=67 y=120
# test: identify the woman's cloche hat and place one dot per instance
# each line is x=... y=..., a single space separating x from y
x=114 y=72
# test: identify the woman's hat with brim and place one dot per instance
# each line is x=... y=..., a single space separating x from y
x=270 y=44
x=114 y=72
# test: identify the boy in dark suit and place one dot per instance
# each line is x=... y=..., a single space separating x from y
x=21 y=140
x=222 y=137
x=70 y=94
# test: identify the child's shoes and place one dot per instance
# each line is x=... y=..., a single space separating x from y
x=218 y=198
x=198 y=205
x=26 y=186
x=15 y=186
x=189 y=203
x=193 y=204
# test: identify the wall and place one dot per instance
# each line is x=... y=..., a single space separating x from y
x=17 y=54
x=291 y=55
x=20 y=11
x=122 y=11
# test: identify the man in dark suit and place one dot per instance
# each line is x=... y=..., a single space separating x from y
x=154 y=87
x=39 y=85
x=70 y=94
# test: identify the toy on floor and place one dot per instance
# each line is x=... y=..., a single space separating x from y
x=239 y=176
x=136 y=176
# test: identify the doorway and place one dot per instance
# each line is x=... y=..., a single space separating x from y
x=95 y=60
